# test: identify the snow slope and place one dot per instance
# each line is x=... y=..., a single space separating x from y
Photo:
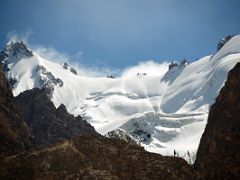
x=166 y=113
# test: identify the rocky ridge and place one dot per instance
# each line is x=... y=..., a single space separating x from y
x=94 y=157
x=49 y=125
x=218 y=155
x=15 y=135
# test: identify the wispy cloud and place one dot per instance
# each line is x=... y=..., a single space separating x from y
x=14 y=36
x=50 y=53
x=77 y=60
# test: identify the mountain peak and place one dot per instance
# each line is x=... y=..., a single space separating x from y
x=15 y=50
x=18 y=48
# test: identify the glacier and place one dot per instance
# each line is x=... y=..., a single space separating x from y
x=165 y=112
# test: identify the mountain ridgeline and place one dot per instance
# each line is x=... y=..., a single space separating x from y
x=165 y=112
x=46 y=142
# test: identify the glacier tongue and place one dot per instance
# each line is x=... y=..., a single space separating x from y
x=165 y=113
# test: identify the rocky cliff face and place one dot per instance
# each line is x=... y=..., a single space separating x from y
x=15 y=136
x=49 y=125
x=218 y=155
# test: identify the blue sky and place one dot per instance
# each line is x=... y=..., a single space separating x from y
x=120 y=33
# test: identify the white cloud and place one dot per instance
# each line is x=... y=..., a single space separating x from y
x=77 y=61
x=50 y=53
x=94 y=70
x=150 y=67
x=46 y=52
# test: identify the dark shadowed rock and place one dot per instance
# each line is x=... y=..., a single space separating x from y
x=218 y=155
x=74 y=71
x=49 y=125
x=15 y=136
x=65 y=65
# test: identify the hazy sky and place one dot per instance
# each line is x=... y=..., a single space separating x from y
x=120 y=33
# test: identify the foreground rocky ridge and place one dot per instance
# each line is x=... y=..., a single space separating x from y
x=218 y=155
x=94 y=157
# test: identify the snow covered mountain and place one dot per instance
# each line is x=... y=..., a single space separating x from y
x=166 y=114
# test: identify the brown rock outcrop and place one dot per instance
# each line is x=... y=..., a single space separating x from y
x=218 y=155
